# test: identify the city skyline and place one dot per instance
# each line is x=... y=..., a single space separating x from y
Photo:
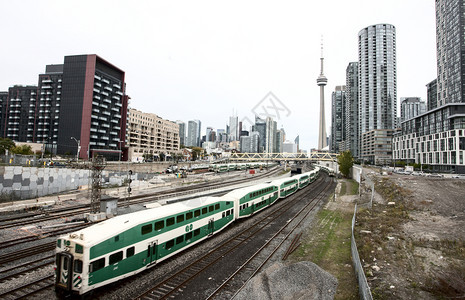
x=180 y=67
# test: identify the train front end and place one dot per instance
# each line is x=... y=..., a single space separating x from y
x=69 y=270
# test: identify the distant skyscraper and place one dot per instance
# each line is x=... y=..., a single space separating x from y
x=208 y=134
x=411 y=107
x=450 y=49
x=193 y=133
x=278 y=143
x=249 y=144
x=337 y=117
x=270 y=135
x=182 y=132
x=351 y=108
x=297 y=142
x=260 y=127
x=234 y=128
x=321 y=82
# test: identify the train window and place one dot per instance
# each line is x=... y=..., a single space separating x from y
x=180 y=219
x=146 y=229
x=197 y=213
x=78 y=249
x=169 y=221
x=130 y=252
x=77 y=266
x=97 y=264
x=116 y=239
x=189 y=215
x=228 y=213
x=58 y=243
x=159 y=225
x=211 y=208
x=223 y=215
x=217 y=206
x=116 y=257
x=227 y=202
x=197 y=232
x=65 y=264
x=179 y=239
x=204 y=210
x=169 y=244
x=188 y=235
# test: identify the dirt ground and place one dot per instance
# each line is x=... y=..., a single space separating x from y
x=412 y=239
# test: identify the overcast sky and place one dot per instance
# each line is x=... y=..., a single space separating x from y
x=203 y=60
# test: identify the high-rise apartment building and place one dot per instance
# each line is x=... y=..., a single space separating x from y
x=249 y=144
x=437 y=137
x=82 y=100
x=337 y=117
x=432 y=95
x=234 y=128
x=411 y=107
x=193 y=133
x=377 y=80
x=450 y=32
x=351 y=138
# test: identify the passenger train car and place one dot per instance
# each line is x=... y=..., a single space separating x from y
x=128 y=244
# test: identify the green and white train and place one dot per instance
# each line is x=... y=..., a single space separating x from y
x=220 y=168
x=128 y=244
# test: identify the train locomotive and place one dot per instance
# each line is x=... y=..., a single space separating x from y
x=128 y=244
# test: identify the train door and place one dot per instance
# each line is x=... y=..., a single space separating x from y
x=64 y=271
x=152 y=252
x=211 y=226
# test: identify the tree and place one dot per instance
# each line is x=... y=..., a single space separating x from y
x=6 y=144
x=196 y=151
x=345 y=161
x=24 y=150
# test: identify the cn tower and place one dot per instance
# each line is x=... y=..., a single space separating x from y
x=321 y=82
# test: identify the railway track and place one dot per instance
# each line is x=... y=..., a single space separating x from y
x=227 y=288
x=170 y=287
x=27 y=267
x=41 y=235
x=27 y=252
x=27 y=290
x=81 y=209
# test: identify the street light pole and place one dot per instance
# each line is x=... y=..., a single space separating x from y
x=78 y=142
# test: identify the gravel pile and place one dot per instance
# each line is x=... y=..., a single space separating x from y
x=302 y=280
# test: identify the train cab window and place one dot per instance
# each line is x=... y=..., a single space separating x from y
x=159 y=225
x=179 y=239
x=146 y=229
x=180 y=219
x=211 y=208
x=77 y=266
x=189 y=215
x=217 y=206
x=197 y=213
x=130 y=252
x=116 y=257
x=169 y=244
x=169 y=221
x=65 y=264
x=79 y=248
x=204 y=210
x=58 y=243
x=97 y=264
x=188 y=235
x=197 y=232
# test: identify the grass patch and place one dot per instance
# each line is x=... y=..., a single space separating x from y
x=354 y=187
x=343 y=188
x=327 y=244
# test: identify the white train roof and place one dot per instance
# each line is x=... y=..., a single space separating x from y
x=239 y=193
x=282 y=180
x=101 y=231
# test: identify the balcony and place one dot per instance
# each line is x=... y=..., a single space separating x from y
x=115 y=109
x=97 y=77
x=105 y=138
x=106 y=81
x=102 y=131
x=113 y=133
x=46 y=87
x=119 y=104
x=105 y=125
x=98 y=84
x=95 y=103
x=103 y=119
x=101 y=144
x=117 y=86
x=103 y=105
x=93 y=130
x=107 y=100
x=115 y=97
x=95 y=123
x=105 y=93
x=106 y=113
x=95 y=110
x=119 y=93
x=31 y=111
x=92 y=143
x=108 y=88
x=47 y=81
x=97 y=97
x=96 y=90
x=93 y=136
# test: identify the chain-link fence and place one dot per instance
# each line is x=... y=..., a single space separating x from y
x=363 y=288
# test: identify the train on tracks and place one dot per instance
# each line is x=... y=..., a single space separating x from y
x=220 y=168
x=128 y=244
